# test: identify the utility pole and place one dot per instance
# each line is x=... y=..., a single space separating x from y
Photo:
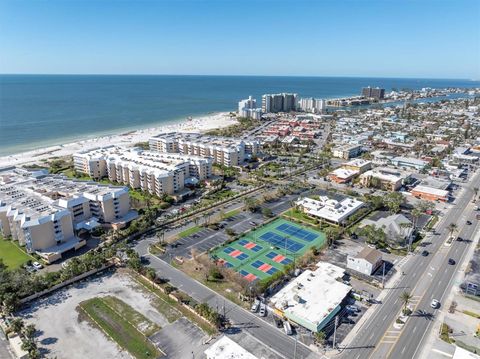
x=335 y=332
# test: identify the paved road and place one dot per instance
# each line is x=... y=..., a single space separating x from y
x=259 y=329
x=4 y=347
x=425 y=278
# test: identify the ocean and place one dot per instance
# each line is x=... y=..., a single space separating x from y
x=42 y=110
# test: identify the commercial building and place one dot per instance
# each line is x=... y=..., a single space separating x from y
x=359 y=165
x=313 y=298
x=153 y=172
x=430 y=193
x=282 y=102
x=385 y=178
x=347 y=151
x=45 y=212
x=330 y=210
x=248 y=108
x=342 y=175
x=409 y=162
x=226 y=348
x=365 y=262
x=375 y=93
x=224 y=151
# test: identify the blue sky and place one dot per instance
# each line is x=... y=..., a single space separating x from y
x=382 y=38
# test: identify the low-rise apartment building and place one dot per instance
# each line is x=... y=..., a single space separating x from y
x=430 y=193
x=385 y=178
x=409 y=162
x=44 y=212
x=224 y=151
x=347 y=151
x=153 y=172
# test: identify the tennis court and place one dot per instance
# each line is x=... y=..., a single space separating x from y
x=268 y=249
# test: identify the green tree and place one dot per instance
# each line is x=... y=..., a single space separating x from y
x=405 y=297
x=267 y=212
x=452 y=227
x=393 y=201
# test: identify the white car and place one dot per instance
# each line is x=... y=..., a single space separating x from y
x=263 y=310
x=37 y=265
x=435 y=304
x=255 y=306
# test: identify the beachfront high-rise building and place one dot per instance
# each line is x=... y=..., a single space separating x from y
x=222 y=150
x=44 y=212
x=376 y=93
x=311 y=104
x=282 y=102
x=153 y=172
x=248 y=108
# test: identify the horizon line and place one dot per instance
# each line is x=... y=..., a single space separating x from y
x=224 y=75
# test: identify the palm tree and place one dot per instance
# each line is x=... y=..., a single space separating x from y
x=406 y=297
x=475 y=190
x=452 y=227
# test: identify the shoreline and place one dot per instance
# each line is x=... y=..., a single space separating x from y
x=123 y=137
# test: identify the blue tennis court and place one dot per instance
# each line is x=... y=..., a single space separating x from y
x=228 y=264
x=244 y=273
x=272 y=270
x=271 y=255
x=242 y=256
x=297 y=232
x=242 y=242
x=257 y=264
x=228 y=250
x=281 y=242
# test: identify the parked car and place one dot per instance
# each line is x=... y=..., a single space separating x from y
x=469 y=222
x=263 y=309
x=255 y=306
x=435 y=304
x=37 y=265
x=287 y=328
x=459 y=239
x=425 y=253
x=451 y=261
x=353 y=308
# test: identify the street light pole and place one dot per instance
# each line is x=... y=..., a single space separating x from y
x=383 y=275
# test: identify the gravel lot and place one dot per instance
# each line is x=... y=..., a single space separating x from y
x=63 y=334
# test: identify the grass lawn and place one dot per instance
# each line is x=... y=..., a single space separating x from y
x=299 y=215
x=231 y=213
x=12 y=256
x=118 y=328
x=138 y=320
x=189 y=231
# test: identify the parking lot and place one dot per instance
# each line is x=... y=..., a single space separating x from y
x=206 y=238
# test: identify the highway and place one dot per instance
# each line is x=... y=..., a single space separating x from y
x=426 y=278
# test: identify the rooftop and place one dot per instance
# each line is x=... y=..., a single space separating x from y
x=313 y=295
x=226 y=348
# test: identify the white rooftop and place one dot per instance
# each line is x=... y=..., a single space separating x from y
x=330 y=209
x=313 y=295
x=226 y=348
x=343 y=173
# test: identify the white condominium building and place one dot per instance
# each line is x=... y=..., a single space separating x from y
x=222 y=150
x=248 y=108
x=281 y=102
x=153 y=172
x=43 y=212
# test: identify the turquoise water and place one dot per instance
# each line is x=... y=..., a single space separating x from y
x=40 y=110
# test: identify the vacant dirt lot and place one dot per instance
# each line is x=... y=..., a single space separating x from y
x=63 y=333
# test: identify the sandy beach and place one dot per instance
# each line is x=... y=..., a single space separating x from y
x=198 y=124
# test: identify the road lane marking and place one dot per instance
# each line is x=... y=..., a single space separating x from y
x=414 y=329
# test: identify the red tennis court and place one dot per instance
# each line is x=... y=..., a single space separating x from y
x=279 y=258
x=236 y=253
x=265 y=267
